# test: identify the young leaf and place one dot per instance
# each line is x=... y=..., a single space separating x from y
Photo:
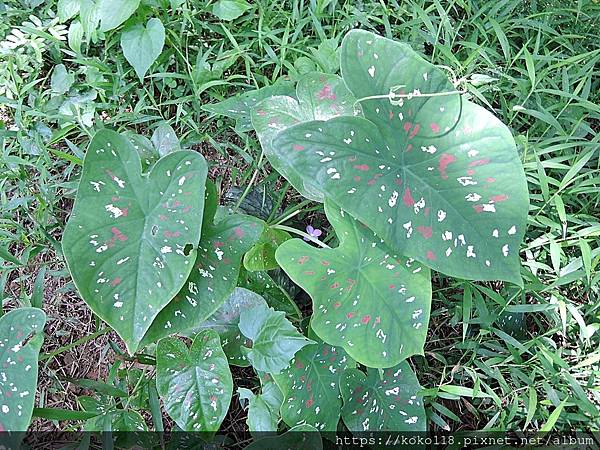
x=61 y=80
x=22 y=337
x=320 y=97
x=382 y=403
x=213 y=276
x=262 y=255
x=125 y=242
x=274 y=339
x=366 y=299
x=195 y=385
x=240 y=106
x=142 y=45
x=114 y=12
x=263 y=409
x=230 y=9
x=311 y=386
x=225 y=321
x=438 y=178
x=165 y=140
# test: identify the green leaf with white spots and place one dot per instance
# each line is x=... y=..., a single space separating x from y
x=130 y=241
x=240 y=106
x=263 y=408
x=213 y=277
x=262 y=255
x=382 y=403
x=225 y=321
x=311 y=386
x=372 y=302
x=302 y=437
x=437 y=177
x=194 y=384
x=21 y=337
x=319 y=97
x=274 y=339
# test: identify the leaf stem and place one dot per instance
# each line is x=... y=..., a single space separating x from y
x=303 y=234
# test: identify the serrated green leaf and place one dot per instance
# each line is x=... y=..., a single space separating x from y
x=311 y=386
x=319 y=97
x=274 y=339
x=213 y=277
x=22 y=337
x=195 y=385
x=438 y=178
x=240 y=106
x=142 y=45
x=383 y=403
x=225 y=321
x=262 y=255
x=366 y=299
x=125 y=242
x=263 y=409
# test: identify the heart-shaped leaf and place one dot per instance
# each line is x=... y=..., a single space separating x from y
x=366 y=299
x=437 y=177
x=126 y=240
x=311 y=386
x=240 y=106
x=320 y=97
x=196 y=384
x=165 y=140
x=274 y=339
x=22 y=337
x=142 y=45
x=225 y=321
x=230 y=9
x=213 y=277
x=382 y=403
x=263 y=409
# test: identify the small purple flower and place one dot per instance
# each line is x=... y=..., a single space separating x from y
x=314 y=232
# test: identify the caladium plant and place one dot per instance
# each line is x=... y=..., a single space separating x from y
x=131 y=240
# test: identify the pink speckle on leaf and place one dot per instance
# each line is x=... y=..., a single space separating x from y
x=499 y=198
x=326 y=93
x=362 y=167
x=169 y=234
x=426 y=232
x=297 y=148
x=430 y=255
x=350 y=315
x=435 y=127
x=407 y=198
x=118 y=235
x=365 y=320
x=239 y=232
x=407 y=126
x=303 y=259
x=445 y=160
x=414 y=131
x=116 y=281
x=479 y=162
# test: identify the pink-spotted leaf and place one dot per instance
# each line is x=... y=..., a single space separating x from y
x=273 y=340
x=225 y=321
x=311 y=386
x=213 y=277
x=437 y=177
x=21 y=337
x=372 y=302
x=382 y=403
x=319 y=97
x=194 y=384
x=130 y=241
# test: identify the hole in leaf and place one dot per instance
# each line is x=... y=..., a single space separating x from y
x=187 y=249
x=154 y=230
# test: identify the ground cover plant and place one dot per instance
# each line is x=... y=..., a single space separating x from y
x=299 y=217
